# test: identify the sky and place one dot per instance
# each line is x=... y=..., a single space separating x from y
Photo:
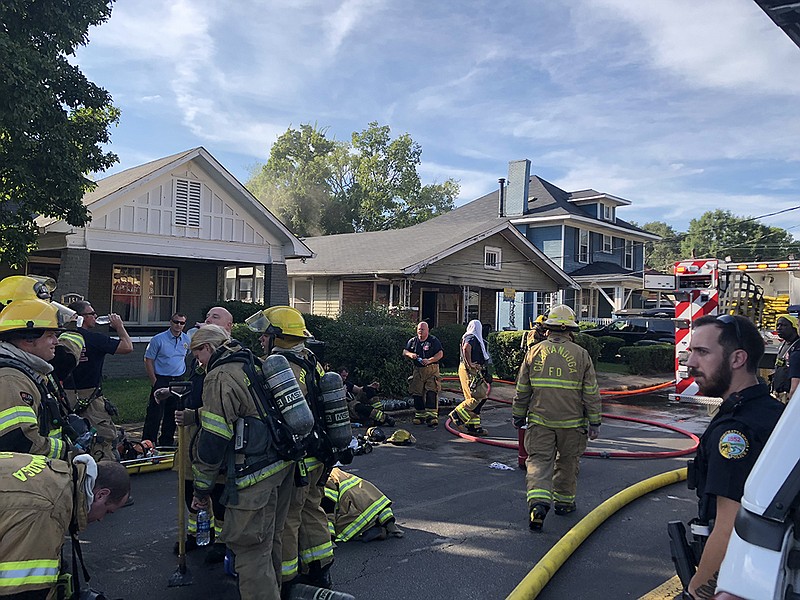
x=679 y=106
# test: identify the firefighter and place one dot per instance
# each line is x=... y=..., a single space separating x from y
x=357 y=509
x=425 y=351
x=535 y=335
x=784 y=380
x=363 y=403
x=32 y=419
x=558 y=399
x=474 y=380
x=42 y=498
x=258 y=487
x=307 y=547
x=724 y=353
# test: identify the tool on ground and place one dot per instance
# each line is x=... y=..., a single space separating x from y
x=181 y=576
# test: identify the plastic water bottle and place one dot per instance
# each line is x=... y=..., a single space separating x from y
x=300 y=591
x=84 y=442
x=203 y=528
x=103 y=320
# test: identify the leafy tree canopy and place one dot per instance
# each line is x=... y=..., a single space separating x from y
x=320 y=186
x=53 y=120
x=662 y=255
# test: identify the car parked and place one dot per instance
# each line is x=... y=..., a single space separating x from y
x=638 y=330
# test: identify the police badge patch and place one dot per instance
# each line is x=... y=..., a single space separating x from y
x=733 y=444
x=26 y=398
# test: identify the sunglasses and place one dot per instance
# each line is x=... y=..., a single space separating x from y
x=179 y=322
x=90 y=314
x=727 y=320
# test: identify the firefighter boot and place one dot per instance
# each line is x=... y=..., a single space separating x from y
x=318 y=575
x=564 y=508
x=538 y=513
x=392 y=529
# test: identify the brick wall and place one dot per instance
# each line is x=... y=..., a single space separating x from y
x=356 y=292
x=73 y=276
x=276 y=285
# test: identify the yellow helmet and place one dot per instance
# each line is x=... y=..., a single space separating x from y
x=401 y=437
x=561 y=317
x=25 y=287
x=280 y=321
x=540 y=319
x=29 y=315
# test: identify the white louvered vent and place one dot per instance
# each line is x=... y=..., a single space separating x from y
x=187 y=202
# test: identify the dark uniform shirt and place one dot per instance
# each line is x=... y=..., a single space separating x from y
x=89 y=371
x=476 y=353
x=787 y=366
x=732 y=443
x=425 y=349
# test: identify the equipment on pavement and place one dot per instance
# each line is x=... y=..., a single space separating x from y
x=376 y=435
x=401 y=437
x=334 y=408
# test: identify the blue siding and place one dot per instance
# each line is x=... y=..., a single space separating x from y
x=570 y=250
x=548 y=240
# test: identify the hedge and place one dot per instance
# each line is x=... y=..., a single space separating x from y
x=610 y=347
x=649 y=360
x=504 y=346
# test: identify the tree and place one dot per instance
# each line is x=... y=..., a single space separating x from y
x=662 y=254
x=319 y=186
x=53 y=120
x=720 y=233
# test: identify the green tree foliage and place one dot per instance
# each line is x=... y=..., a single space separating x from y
x=720 y=233
x=319 y=186
x=662 y=255
x=53 y=120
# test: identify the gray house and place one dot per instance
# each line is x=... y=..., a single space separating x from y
x=178 y=233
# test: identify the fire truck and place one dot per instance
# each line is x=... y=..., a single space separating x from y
x=759 y=290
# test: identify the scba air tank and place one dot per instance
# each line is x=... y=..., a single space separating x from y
x=334 y=407
x=288 y=397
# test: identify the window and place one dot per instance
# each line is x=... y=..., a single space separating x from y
x=607 y=245
x=245 y=284
x=187 y=202
x=607 y=212
x=583 y=246
x=629 y=254
x=143 y=295
x=492 y=258
x=301 y=295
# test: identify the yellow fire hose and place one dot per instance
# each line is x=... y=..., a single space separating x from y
x=543 y=571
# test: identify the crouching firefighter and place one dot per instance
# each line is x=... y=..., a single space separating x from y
x=244 y=435
x=34 y=414
x=307 y=545
x=43 y=499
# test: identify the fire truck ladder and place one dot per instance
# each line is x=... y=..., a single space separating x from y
x=741 y=296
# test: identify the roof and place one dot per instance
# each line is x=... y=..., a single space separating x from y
x=108 y=188
x=785 y=14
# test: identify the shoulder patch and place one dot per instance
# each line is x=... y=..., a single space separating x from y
x=26 y=398
x=733 y=444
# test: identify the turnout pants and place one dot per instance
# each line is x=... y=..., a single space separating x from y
x=100 y=419
x=476 y=391
x=553 y=463
x=252 y=532
x=306 y=536
x=425 y=386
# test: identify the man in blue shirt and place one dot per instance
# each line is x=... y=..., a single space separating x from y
x=164 y=361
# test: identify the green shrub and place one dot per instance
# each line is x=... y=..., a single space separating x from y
x=240 y=310
x=649 y=360
x=610 y=347
x=504 y=348
x=450 y=336
x=248 y=338
x=584 y=325
x=591 y=344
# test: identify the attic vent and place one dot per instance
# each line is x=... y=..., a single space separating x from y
x=187 y=202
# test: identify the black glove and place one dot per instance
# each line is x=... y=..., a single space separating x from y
x=519 y=422
x=345 y=456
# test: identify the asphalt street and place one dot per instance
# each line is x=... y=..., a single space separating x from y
x=465 y=523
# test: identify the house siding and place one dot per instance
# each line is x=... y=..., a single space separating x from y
x=326 y=297
x=571 y=250
x=465 y=267
x=548 y=240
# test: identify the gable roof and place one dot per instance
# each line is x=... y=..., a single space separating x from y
x=111 y=187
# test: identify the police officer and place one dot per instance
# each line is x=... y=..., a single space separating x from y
x=31 y=417
x=40 y=498
x=724 y=356
x=784 y=380
x=557 y=397
x=425 y=350
x=257 y=495
x=306 y=541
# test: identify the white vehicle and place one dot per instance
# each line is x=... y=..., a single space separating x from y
x=763 y=557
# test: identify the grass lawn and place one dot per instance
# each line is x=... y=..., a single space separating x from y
x=130 y=396
x=608 y=367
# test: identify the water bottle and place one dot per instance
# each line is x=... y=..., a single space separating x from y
x=103 y=320
x=84 y=442
x=203 y=528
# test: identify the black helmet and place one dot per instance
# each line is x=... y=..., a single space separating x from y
x=376 y=435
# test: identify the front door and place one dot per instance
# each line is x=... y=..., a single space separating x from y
x=429 y=305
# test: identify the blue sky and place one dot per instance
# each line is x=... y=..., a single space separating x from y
x=679 y=106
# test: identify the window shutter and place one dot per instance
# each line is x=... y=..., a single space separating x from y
x=187 y=202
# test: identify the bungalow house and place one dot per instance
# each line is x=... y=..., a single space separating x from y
x=179 y=233
x=504 y=258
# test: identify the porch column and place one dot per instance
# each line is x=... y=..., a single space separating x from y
x=73 y=275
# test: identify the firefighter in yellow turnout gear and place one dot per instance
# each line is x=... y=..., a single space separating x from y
x=38 y=504
x=357 y=509
x=306 y=542
x=558 y=399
